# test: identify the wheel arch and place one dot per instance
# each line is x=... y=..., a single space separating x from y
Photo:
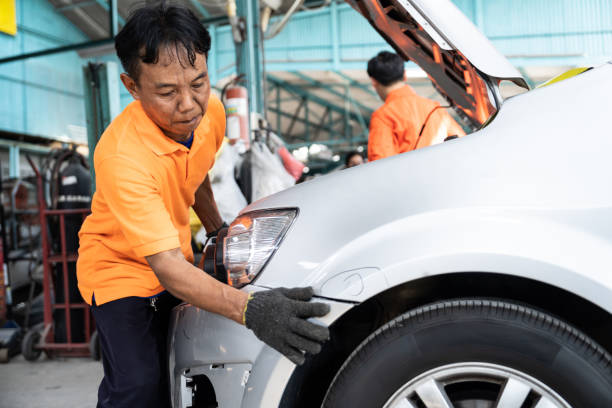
x=308 y=383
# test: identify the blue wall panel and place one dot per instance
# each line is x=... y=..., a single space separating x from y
x=42 y=96
x=571 y=31
x=11 y=104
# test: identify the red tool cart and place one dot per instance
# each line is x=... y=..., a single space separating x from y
x=67 y=328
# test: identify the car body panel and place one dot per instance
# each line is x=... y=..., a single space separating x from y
x=460 y=34
x=515 y=190
x=243 y=370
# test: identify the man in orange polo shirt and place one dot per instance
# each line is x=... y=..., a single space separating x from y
x=135 y=258
x=406 y=121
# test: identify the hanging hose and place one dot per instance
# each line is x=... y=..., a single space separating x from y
x=278 y=27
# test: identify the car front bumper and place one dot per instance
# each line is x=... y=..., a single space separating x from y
x=243 y=371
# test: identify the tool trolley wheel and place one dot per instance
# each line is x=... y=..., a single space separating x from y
x=94 y=346
x=28 y=345
x=4 y=355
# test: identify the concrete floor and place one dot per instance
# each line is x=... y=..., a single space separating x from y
x=58 y=383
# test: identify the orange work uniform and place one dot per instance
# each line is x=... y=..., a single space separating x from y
x=395 y=126
x=145 y=184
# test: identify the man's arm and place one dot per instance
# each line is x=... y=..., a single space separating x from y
x=380 y=140
x=278 y=317
x=453 y=127
x=206 y=208
x=192 y=285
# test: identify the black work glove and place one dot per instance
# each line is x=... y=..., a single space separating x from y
x=278 y=318
x=216 y=232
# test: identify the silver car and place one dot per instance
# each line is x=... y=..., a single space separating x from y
x=474 y=273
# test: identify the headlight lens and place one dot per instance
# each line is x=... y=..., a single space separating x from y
x=251 y=241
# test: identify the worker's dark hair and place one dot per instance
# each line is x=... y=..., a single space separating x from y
x=152 y=27
x=350 y=156
x=386 y=67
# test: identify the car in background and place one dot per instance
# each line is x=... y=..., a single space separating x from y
x=473 y=273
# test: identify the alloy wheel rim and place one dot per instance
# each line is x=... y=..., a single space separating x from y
x=475 y=385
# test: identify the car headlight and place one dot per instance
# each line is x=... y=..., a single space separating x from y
x=251 y=241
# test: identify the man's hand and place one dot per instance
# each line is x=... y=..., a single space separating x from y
x=278 y=318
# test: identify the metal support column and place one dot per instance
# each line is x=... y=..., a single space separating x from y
x=347 y=130
x=306 y=121
x=334 y=35
x=113 y=16
x=278 y=107
x=249 y=54
x=14 y=161
x=296 y=116
x=212 y=56
x=101 y=82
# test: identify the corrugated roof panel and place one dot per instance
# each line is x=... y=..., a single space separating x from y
x=535 y=28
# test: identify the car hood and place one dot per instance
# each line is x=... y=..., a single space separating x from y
x=529 y=157
x=460 y=61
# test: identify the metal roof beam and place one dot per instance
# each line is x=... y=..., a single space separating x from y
x=102 y=3
x=112 y=9
x=68 y=7
x=198 y=6
x=73 y=47
x=328 y=143
x=356 y=84
x=101 y=31
x=317 y=126
x=323 y=86
x=296 y=90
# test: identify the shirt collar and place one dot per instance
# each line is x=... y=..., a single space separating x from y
x=153 y=137
x=405 y=90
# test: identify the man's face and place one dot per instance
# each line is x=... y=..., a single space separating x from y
x=355 y=160
x=173 y=93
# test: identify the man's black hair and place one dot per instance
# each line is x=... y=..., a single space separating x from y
x=350 y=156
x=152 y=27
x=386 y=67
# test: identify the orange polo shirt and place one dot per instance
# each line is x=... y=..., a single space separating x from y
x=145 y=184
x=395 y=126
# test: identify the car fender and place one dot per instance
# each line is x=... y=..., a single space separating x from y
x=525 y=243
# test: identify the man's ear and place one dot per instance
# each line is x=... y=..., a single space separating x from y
x=130 y=85
x=374 y=82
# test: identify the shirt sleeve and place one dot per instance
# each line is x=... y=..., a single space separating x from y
x=218 y=117
x=134 y=198
x=381 y=142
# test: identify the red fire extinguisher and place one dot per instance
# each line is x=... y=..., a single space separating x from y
x=237 y=111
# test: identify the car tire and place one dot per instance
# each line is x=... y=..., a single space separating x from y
x=432 y=347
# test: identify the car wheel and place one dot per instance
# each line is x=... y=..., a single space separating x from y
x=474 y=353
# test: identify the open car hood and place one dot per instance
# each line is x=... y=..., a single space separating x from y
x=460 y=61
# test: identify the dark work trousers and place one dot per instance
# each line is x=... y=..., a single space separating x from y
x=133 y=338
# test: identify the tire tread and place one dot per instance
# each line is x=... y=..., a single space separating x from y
x=525 y=315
